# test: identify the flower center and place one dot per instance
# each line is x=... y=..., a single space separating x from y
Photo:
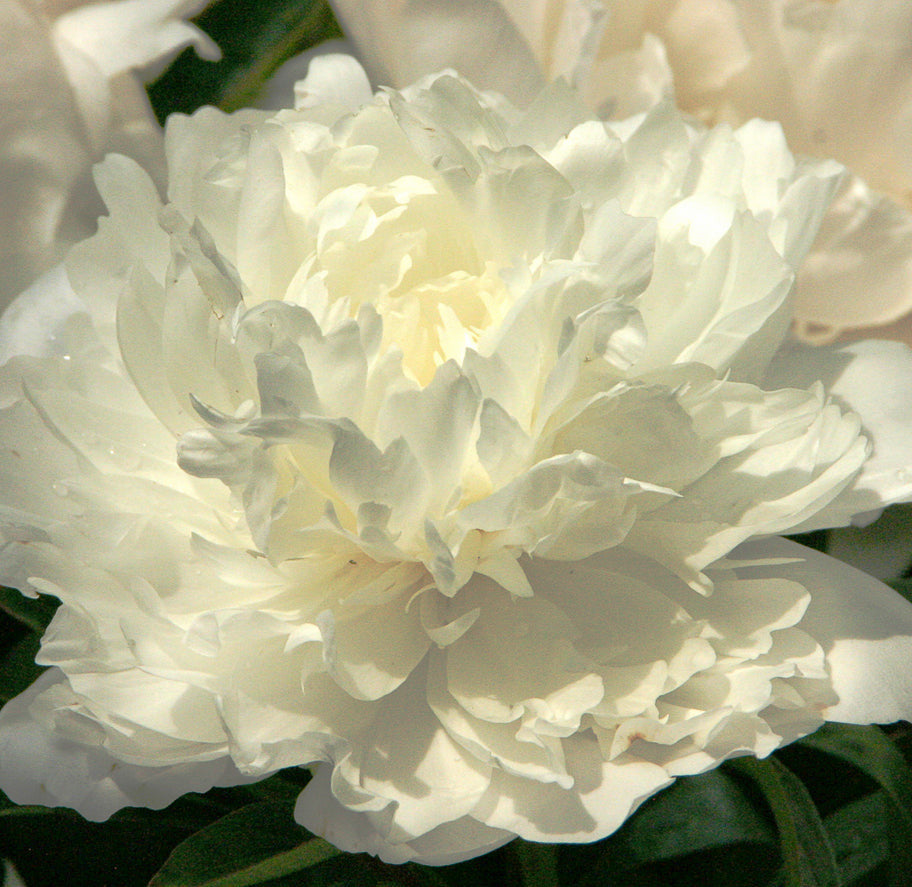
x=405 y=248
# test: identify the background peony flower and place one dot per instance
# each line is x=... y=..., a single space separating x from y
x=71 y=92
x=432 y=442
x=836 y=75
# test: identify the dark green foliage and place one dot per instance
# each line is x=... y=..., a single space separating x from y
x=256 y=37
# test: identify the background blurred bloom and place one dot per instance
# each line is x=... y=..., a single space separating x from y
x=837 y=75
x=436 y=441
x=70 y=91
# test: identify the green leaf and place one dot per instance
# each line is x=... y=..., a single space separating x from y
x=52 y=847
x=23 y=811
x=903 y=586
x=819 y=540
x=35 y=613
x=697 y=813
x=284 y=786
x=17 y=666
x=700 y=823
x=860 y=837
x=537 y=863
x=256 y=37
x=870 y=751
x=253 y=845
x=806 y=850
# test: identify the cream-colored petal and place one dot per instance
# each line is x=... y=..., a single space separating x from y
x=872 y=378
x=864 y=627
x=859 y=271
x=39 y=767
x=319 y=811
x=604 y=794
x=402 y=40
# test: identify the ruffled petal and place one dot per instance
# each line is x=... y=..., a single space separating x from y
x=38 y=766
x=864 y=627
x=125 y=35
x=74 y=93
x=873 y=379
x=603 y=795
x=320 y=812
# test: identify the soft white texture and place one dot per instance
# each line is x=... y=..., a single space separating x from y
x=416 y=436
x=72 y=90
x=836 y=75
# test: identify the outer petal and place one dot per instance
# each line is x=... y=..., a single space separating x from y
x=43 y=152
x=464 y=838
x=401 y=41
x=132 y=34
x=604 y=795
x=873 y=378
x=859 y=271
x=11 y=876
x=333 y=79
x=40 y=767
x=279 y=90
x=69 y=94
x=864 y=627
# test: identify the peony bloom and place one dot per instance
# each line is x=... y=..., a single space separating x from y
x=71 y=92
x=836 y=75
x=430 y=442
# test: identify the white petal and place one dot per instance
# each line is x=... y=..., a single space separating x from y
x=44 y=154
x=318 y=810
x=279 y=90
x=36 y=322
x=400 y=42
x=605 y=793
x=38 y=767
x=859 y=271
x=864 y=627
x=331 y=79
x=873 y=378
x=132 y=34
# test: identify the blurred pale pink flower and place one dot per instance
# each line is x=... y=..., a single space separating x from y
x=836 y=75
x=72 y=90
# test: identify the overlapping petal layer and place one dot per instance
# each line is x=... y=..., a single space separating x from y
x=836 y=75
x=417 y=436
x=72 y=91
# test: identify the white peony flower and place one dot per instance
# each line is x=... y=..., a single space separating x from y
x=428 y=440
x=836 y=75
x=71 y=92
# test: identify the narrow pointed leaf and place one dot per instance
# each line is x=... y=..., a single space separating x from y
x=806 y=852
x=860 y=835
x=256 y=37
x=34 y=613
x=872 y=752
x=253 y=845
x=17 y=666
